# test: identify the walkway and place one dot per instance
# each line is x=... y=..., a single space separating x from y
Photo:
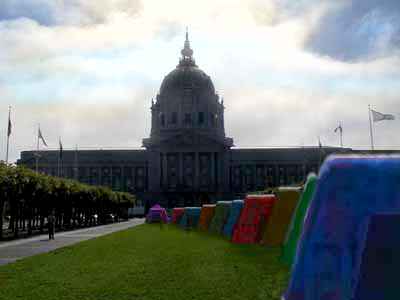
x=14 y=250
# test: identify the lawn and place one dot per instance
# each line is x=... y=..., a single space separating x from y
x=148 y=262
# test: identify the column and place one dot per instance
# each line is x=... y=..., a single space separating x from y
x=180 y=168
x=164 y=166
x=100 y=175
x=133 y=170
x=196 y=170
x=213 y=182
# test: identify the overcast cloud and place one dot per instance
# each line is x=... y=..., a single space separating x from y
x=289 y=71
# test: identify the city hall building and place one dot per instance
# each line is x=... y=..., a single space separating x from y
x=187 y=159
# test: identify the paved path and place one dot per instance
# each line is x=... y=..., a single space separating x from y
x=13 y=250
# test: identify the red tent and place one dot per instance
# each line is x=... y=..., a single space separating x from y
x=255 y=213
x=177 y=214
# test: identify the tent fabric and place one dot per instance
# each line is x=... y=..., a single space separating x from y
x=350 y=189
x=177 y=214
x=233 y=217
x=255 y=213
x=190 y=218
x=157 y=214
x=296 y=226
x=380 y=262
x=281 y=215
x=207 y=213
x=221 y=214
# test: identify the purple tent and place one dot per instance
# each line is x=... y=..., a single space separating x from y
x=157 y=214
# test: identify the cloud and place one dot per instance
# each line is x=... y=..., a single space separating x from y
x=67 y=12
x=358 y=30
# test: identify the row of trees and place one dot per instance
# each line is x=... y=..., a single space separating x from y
x=28 y=198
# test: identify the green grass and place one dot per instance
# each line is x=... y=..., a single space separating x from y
x=148 y=262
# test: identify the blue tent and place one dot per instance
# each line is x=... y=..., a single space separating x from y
x=234 y=214
x=350 y=190
x=190 y=218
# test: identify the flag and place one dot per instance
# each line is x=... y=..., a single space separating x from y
x=339 y=128
x=9 y=126
x=377 y=116
x=40 y=136
x=61 y=149
x=319 y=143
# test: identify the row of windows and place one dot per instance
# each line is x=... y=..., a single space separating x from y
x=188 y=119
x=260 y=177
x=133 y=180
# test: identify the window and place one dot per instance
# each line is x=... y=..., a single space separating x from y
x=174 y=118
x=201 y=118
x=214 y=119
x=162 y=119
x=188 y=119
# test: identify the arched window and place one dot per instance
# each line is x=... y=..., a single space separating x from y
x=200 y=118
x=174 y=118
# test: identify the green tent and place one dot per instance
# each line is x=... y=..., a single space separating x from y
x=296 y=225
x=220 y=216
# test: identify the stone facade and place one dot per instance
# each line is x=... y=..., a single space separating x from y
x=187 y=160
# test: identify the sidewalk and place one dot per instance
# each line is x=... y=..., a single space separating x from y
x=14 y=250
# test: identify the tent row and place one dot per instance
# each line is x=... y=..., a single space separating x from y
x=338 y=233
x=273 y=220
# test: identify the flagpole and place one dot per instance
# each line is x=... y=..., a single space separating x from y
x=37 y=150
x=370 y=127
x=59 y=159
x=8 y=133
x=320 y=153
x=341 y=134
x=76 y=163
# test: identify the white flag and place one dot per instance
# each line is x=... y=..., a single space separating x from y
x=338 y=128
x=41 y=137
x=377 y=116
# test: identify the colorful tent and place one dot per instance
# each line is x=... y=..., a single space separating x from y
x=296 y=225
x=190 y=218
x=350 y=190
x=177 y=214
x=255 y=214
x=207 y=213
x=157 y=214
x=278 y=223
x=220 y=216
x=233 y=218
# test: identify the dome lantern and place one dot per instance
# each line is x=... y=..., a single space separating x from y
x=187 y=53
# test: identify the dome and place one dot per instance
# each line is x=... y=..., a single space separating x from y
x=187 y=76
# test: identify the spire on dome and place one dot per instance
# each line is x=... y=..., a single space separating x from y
x=187 y=52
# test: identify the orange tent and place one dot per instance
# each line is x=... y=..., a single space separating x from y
x=207 y=213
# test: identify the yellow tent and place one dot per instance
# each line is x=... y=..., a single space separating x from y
x=278 y=222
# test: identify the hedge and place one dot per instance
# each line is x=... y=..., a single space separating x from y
x=29 y=197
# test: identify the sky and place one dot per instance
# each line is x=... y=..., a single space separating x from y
x=289 y=71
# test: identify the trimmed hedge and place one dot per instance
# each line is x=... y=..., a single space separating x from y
x=29 y=197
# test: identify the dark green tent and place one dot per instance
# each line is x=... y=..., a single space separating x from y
x=220 y=216
x=296 y=225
